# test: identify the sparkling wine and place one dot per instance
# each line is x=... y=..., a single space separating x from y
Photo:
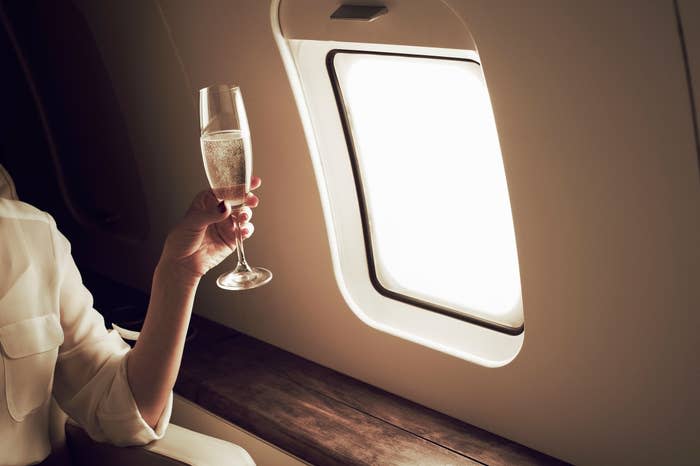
x=227 y=161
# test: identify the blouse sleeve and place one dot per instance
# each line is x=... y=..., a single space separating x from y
x=90 y=382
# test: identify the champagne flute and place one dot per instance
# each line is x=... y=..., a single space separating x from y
x=228 y=162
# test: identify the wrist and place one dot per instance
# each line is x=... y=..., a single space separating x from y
x=174 y=274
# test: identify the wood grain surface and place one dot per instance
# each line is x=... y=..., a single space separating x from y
x=325 y=417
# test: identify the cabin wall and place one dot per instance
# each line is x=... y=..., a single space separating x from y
x=594 y=117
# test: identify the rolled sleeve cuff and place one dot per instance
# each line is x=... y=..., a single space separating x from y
x=126 y=426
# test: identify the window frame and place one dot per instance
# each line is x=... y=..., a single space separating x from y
x=359 y=188
x=303 y=58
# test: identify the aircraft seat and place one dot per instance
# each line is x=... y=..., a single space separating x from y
x=71 y=446
x=179 y=446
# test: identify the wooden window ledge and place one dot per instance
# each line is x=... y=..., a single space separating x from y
x=323 y=416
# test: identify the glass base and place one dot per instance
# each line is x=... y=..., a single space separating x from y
x=244 y=280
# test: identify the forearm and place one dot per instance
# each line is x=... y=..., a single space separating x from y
x=199 y=242
x=155 y=360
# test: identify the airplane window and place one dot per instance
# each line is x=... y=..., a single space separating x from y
x=429 y=177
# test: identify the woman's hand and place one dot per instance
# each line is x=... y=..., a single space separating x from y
x=205 y=236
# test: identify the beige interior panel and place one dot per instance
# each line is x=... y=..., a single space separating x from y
x=408 y=22
x=591 y=104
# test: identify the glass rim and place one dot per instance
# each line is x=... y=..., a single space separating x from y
x=219 y=88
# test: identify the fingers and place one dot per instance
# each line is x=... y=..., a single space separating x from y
x=227 y=231
x=205 y=210
x=252 y=200
x=244 y=214
x=247 y=230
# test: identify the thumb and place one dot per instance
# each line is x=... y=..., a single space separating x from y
x=205 y=210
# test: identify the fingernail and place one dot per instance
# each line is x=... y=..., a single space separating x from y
x=222 y=207
x=244 y=231
x=244 y=217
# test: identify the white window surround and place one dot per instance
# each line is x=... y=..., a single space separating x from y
x=305 y=63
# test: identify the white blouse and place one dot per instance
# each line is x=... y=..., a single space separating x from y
x=52 y=341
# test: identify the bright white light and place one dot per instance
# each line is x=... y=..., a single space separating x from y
x=439 y=213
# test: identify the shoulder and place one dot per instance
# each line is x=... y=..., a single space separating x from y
x=28 y=254
x=11 y=209
x=29 y=231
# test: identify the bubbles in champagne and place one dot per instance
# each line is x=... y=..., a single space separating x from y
x=227 y=161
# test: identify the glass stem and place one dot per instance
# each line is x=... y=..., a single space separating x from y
x=242 y=263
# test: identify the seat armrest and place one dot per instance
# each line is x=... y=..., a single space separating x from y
x=178 y=447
